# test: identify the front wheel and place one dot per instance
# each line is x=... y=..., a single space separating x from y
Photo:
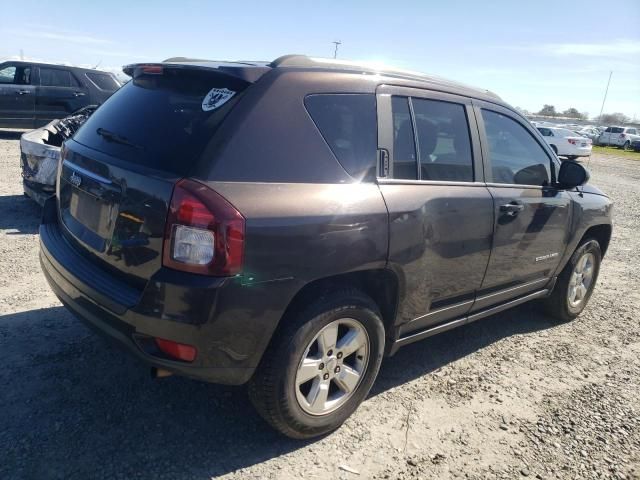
x=576 y=282
x=320 y=365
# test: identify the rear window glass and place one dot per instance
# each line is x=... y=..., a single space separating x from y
x=162 y=121
x=54 y=77
x=348 y=124
x=443 y=141
x=103 y=81
x=405 y=164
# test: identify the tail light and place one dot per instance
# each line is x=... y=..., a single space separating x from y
x=204 y=233
x=572 y=141
x=622 y=135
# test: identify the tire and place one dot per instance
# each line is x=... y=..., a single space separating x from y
x=558 y=304
x=627 y=145
x=277 y=390
x=571 y=157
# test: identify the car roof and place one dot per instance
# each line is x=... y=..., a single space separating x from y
x=52 y=64
x=256 y=69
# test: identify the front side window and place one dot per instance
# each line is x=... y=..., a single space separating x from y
x=16 y=75
x=617 y=129
x=348 y=124
x=444 y=144
x=8 y=74
x=405 y=164
x=55 y=77
x=515 y=156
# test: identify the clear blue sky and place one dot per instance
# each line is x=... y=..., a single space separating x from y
x=528 y=52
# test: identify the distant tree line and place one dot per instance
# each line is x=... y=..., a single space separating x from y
x=607 y=118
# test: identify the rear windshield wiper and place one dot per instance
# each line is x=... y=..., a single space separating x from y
x=114 y=137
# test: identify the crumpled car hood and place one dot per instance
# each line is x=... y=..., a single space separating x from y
x=39 y=160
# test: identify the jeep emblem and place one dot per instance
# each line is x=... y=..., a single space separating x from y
x=75 y=179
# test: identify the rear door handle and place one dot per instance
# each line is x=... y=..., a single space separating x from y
x=511 y=209
x=23 y=92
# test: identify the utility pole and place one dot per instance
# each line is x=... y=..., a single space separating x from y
x=605 y=97
x=335 y=51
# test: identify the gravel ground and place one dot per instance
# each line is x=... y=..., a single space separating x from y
x=515 y=395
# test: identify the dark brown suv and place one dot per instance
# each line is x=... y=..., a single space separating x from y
x=287 y=224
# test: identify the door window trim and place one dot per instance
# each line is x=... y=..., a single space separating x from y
x=478 y=106
x=384 y=94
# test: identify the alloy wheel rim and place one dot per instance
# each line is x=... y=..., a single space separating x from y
x=581 y=279
x=332 y=367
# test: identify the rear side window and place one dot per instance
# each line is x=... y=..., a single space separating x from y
x=617 y=129
x=162 y=121
x=348 y=124
x=55 y=77
x=515 y=156
x=404 y=149
x=444 y=144
x=103 y=81
x=546 y=132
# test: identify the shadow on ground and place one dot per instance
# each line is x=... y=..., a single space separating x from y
x=77 y=407
x=19 y=214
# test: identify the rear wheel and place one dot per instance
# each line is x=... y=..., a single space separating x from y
x=320 y=366
x=576 y=282
x=627 y=145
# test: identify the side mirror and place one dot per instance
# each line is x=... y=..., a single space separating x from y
x=572 y=174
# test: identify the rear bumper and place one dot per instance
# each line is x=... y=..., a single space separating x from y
x=577 y=151
x=229 y=324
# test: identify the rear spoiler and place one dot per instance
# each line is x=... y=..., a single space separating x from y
x=248 y=72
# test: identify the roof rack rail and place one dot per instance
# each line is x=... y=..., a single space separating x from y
x=184 y=59
x=292 y=60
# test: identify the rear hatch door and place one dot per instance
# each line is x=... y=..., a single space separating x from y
x=118 y=171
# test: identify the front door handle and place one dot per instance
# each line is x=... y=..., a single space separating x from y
x=23 y=92
x=78 y=94
x=511 y=209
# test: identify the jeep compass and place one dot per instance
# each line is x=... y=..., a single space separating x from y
x=288 y=224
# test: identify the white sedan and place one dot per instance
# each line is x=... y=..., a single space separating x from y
x=566 y=143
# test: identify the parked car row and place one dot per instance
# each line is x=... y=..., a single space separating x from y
x=288 y=224
x=619 y=137
x=566 y=139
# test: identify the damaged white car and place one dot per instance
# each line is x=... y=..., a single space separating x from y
x=40 y=152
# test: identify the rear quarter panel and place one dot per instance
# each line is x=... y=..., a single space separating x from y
x=295 y=234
